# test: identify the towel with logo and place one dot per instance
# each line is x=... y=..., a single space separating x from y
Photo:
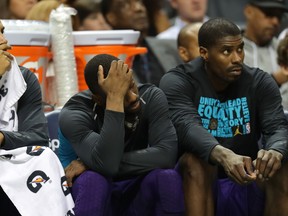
x=34 y=180
x=12 y=87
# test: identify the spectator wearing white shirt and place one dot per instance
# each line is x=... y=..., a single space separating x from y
x=188 y=11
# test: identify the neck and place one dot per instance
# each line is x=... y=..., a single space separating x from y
x=218 y=84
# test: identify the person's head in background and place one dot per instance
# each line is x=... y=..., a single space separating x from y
x=18 y=9
x=187 y=42
x=157 y=16
x=126 y=14
x=282 y=52
x=190 y=10
x=263 y=19
x=89 y=16
x=41 y=10
x=3 y=10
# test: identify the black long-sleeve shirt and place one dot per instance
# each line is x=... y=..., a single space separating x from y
x=235 y=118
x=32 y=124
x=98 y=136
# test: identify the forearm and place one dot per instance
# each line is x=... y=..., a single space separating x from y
x=102 y=151
x=142 y=161
x=115 y=103
x=25 y=138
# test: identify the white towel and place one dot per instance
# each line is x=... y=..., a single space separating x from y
x=34 y=180
x=12 y=87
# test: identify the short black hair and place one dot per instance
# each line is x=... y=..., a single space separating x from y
x=91 y=71
x=215 y=29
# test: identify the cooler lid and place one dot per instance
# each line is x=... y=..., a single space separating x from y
x=25 y=25
x=105 y=37
x=26 y=32
x=27 y=38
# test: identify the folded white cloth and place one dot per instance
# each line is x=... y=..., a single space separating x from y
x=35 y=182
x=12 y=87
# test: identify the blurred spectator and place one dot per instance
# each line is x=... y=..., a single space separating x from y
x=219 y=9
x=282 y=59
x=157 y=17
x=41 y=10
x=283 y=34
x=89 y=16
x=188 y=11
x=68 y=2
x=187 y=42
x=170 y=11
x=18 y=9
x=3 y=10
x=132 y=14
x=282 y=51
x=263 y=19
x=126 y=15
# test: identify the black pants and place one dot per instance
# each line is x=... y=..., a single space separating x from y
x=6 y=206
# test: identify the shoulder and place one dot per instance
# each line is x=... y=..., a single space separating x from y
x=79 y=108
x=33 y=90
x=148 y=90
x=258 y=77
x=80 y=103
x=253 y=72
x=185 y=72
x=151 y=94
x=27 y=74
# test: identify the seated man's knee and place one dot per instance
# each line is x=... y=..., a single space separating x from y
x=166 y=185
x=279 y=182
x=90 y=181
x=91 y=192
x=163 y=176
x=195 y=168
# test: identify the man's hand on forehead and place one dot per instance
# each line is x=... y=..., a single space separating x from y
x=118 y=79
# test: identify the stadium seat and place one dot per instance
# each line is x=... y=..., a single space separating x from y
x=52 y=119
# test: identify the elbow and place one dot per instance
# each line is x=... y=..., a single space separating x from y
x=172 y=162
x=169 y=164
x=105 y=168
x=109 y=172
x=169 y=160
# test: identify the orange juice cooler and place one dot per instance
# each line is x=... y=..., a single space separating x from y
x=31 y=50
x=120 y=43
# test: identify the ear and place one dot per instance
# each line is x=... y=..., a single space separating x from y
x=203 y=53
x=182 y=51
x=248 y=11
x=111 y=18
